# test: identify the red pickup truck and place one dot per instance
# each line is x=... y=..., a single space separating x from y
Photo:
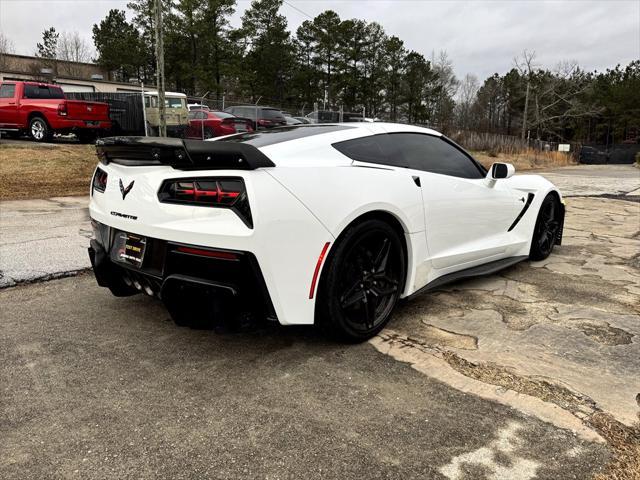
x=41 y=110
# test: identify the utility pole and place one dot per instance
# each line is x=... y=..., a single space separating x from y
x=162 y=130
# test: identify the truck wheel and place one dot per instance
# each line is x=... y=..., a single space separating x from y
x=39 y=130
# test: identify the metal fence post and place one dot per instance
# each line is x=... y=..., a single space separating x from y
x=144 y=112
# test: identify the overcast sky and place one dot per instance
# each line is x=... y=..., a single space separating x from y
x=481 y=37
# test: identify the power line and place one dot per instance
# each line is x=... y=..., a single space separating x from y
x=297 y=9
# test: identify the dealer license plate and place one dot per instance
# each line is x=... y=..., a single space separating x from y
x=128 y=248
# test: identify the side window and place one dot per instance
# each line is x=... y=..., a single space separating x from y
x=432 y=154
x=35 y=91
x=7 y=90
x=411 y=150
x=365 y=149
x=55 y=92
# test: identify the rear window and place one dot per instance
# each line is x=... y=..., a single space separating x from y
x=272 y=113
x=283 y=134
x=174 y=102
x=42 y=92
x=7 y=90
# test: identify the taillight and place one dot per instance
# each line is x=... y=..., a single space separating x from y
x=99 y=180
x=227 y=192
x=62 y=109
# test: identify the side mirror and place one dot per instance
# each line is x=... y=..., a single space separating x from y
x=501 y=170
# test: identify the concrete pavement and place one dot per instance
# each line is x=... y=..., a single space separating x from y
x=42 y=239
x=93 y=386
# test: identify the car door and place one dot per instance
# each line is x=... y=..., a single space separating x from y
x=467 y=217
x=8 y=106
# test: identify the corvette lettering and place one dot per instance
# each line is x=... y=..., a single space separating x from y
x=124 y=215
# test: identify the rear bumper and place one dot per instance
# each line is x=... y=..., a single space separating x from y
x=165 y=271
x=69 y=124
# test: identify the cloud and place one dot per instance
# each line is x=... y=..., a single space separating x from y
x=481 y=37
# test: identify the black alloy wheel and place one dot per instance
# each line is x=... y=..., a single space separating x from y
x=363 y=281
x=546 y=229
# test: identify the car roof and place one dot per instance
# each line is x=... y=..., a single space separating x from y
x=166 y=94
x=254 y=106
x=316 y=149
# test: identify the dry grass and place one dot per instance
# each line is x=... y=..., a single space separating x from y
x=528 y=160
x=34 y=171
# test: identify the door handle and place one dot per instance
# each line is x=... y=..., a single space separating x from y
x=12 y=103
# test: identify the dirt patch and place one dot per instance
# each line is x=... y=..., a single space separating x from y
x=625 y=442
x=440 y=336
x=44 y=172
x=604 y=333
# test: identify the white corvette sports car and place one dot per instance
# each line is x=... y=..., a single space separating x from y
x=329 y=224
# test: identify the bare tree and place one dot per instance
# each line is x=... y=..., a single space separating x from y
x=6 y=48
x=72 y=49
x=467 y=94
x=558 y=99
x=525 y=64
x=447 y=85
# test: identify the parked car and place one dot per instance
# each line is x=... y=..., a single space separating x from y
x=41 y=110
x=269 y=223
x=261 y=117
x=291 y=120
x=304 y=120
x=176 y=113
x=197 y=106
x=206 y=124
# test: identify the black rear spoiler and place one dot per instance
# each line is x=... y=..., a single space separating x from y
x=181 y=154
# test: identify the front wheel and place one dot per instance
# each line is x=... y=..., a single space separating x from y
x=362 y=281
x=39 y=130
x=546 y=230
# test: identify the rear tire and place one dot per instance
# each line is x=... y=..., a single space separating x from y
x=39 y=130
x=208 y=133
x=362 y=281
x=546 y=230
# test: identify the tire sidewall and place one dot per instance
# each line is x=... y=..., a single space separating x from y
x=535 y=253
x=328 y=310
x=47 y=131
